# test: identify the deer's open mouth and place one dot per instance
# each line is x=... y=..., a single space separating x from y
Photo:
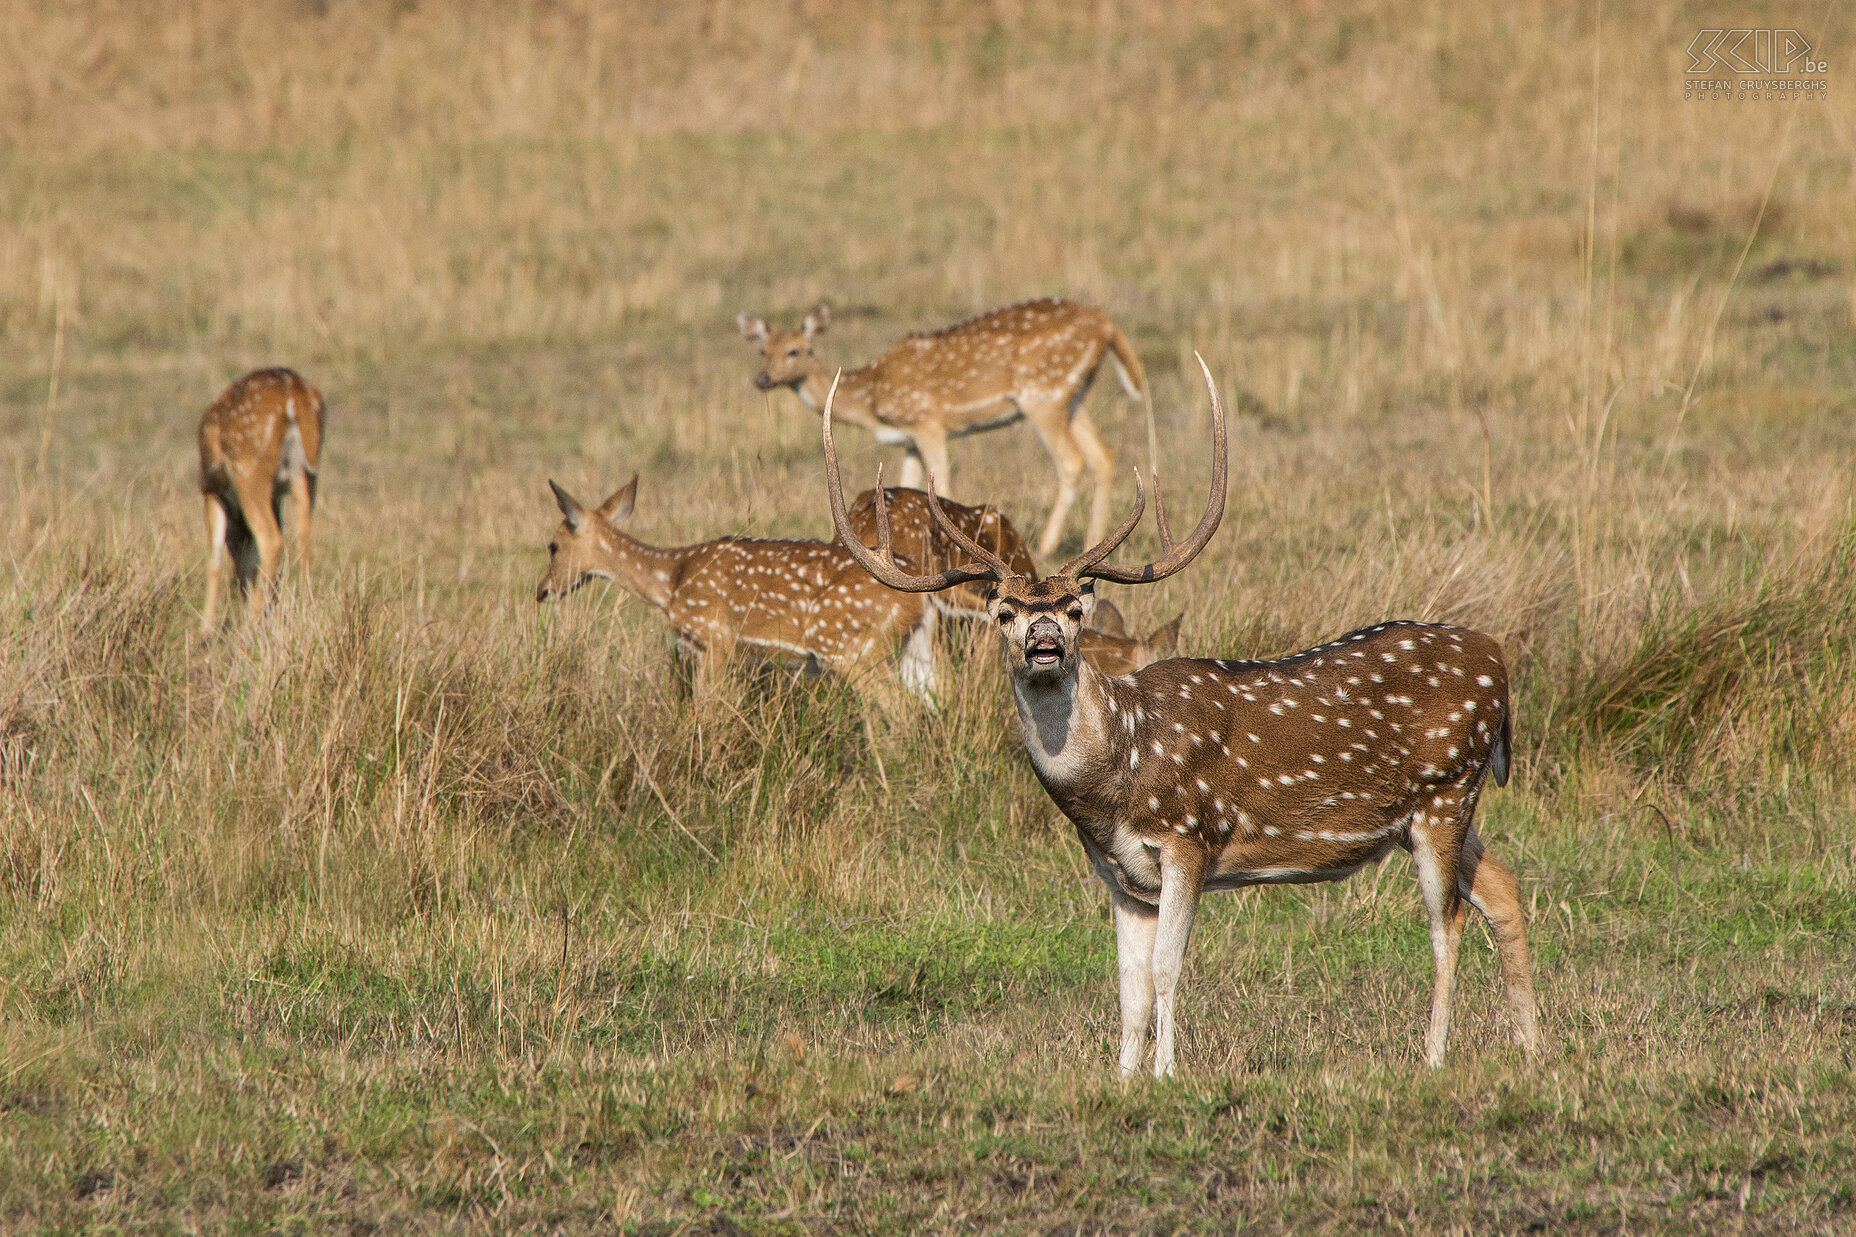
x=1043 y=649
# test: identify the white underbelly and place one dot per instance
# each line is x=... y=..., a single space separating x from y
x=1244 y=877
x=1009 y=417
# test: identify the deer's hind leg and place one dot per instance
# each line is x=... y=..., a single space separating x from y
x=218 y=528
x=1101 y=464
x=302 y=503
x=1182 y=880
x=1052 y=419
x=299 y=479
x=257 y=499
x=1488 y=884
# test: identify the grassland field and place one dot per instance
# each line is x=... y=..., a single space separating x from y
x=414 y=907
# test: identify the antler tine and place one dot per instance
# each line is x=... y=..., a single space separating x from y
x=884 y=548
x=1175 y=556
x=991 y=561
x=1166 y=533
x=879 y=563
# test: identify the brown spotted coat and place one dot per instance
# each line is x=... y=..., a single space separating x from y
x=805 y=604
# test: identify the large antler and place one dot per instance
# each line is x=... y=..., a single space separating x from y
x=878 y=562
x=1174 y=555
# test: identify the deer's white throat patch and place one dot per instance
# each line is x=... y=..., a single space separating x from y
x=1061 y=735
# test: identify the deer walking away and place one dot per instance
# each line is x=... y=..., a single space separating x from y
x=1034 y=361
x=1196 y=774
x=260 y=443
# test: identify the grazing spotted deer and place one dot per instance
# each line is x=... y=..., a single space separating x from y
x=918 y=540
x=805 y=604
x=1195 y=774
x=1035 y=360
x=259 y=446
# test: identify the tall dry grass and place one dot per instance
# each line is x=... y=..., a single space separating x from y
x=1515 y=337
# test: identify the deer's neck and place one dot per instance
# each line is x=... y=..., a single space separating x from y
x=1070 y=737
x=853 y=402
x=650 y=572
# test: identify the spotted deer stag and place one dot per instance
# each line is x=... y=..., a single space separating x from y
x=1035 y=361
x=919 y=542
x=259 y=446
x=1195 y=774
x=806 y=604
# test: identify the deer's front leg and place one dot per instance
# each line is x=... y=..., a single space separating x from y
x=1182 y=877
x=1436 y=852
x=912 y=468
x=916 y=665
x=1135 y=926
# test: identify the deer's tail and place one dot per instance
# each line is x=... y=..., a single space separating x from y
x=1127 y=364
x=1134 y=381
x=1498 y=752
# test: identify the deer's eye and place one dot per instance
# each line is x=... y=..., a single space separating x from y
x=1005 y=617
x=552 y=549
x=1076 y=613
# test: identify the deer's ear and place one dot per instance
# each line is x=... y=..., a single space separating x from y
x=818 y=321
x=619 y=505
x=571 y=510
x=1089 y=602
x=752 y=329
x=1164 y=642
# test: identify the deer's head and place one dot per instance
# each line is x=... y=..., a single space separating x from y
x=786 y=356
x=583 y=546
x=1040 y=622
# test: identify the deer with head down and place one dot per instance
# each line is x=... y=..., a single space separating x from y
x=1196 y=774
x=1035 y=360
x=805 y=604
x=916 y=538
